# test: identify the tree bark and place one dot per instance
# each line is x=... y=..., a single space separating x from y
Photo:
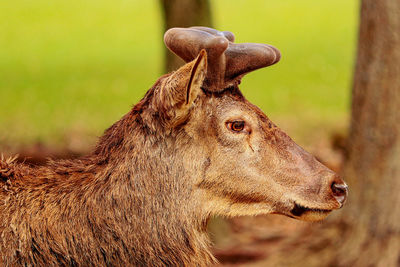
x=367 y=231
x=183 y=13
x=373 y=164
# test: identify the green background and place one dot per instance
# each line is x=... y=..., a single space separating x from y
x=69 y=69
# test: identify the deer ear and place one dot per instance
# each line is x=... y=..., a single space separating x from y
x=179 y=90
x=196 y=78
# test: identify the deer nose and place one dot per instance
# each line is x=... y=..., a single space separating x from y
x=340 y=191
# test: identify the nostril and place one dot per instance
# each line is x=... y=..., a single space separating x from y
x=339 y=189
x=339 y=192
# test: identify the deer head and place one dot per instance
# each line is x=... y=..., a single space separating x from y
x=249 y=165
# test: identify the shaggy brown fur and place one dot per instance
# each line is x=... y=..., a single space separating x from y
x=120 y=206
x=143 y=197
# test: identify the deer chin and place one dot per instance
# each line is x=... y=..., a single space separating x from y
x=308 y=214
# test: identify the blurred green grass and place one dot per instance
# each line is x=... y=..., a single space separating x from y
x=74 y=67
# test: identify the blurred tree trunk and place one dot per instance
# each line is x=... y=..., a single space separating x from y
x=183 y=13
x=373 y=164
x=367 y=231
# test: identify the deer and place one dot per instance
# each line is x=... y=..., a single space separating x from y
x=192 y=148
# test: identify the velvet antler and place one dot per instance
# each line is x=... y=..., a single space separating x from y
x=227 y=62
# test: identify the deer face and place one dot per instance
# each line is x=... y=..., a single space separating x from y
x=253 y=167
x=249 y=166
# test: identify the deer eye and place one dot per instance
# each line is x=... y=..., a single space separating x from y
x=236 y=126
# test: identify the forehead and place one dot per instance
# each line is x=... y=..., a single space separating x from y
x=236 y=106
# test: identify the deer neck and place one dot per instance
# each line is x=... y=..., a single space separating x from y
x=152 y=193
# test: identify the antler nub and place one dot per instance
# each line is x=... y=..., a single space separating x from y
x=227 y=61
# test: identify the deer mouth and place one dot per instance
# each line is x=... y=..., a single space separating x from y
x=308 y=214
